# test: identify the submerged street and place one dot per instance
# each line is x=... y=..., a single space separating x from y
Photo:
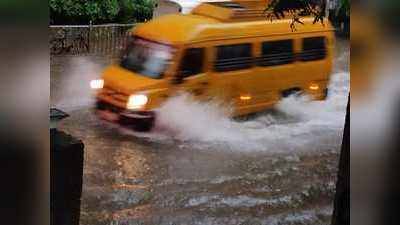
x=201 y=167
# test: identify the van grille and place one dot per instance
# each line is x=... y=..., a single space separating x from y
x=101 y=105
x=114 y=94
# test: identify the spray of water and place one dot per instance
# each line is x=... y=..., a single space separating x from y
x=187 y=119
x=298 y=123
x=81 y=70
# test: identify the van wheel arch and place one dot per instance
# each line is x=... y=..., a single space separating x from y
x=291 y=91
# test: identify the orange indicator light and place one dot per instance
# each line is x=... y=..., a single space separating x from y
x=245 y=97
x=314 y=87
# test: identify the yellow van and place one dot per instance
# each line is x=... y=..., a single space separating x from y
x=226 y=50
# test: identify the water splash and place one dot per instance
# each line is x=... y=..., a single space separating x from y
x=299 y=123
x=76 y=83
x=187 y=119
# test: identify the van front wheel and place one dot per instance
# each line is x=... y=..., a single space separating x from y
x=138 y=121
x=142 y=126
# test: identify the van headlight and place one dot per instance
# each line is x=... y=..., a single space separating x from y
x=97 y=84
x=136 y=101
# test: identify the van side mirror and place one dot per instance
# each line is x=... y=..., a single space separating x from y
x=182 y=74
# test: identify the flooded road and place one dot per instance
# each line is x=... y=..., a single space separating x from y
x=199 y=166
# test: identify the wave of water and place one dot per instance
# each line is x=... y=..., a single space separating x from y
x=300 y=122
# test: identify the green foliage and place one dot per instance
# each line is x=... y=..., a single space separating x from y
x=142 y=9
x=99 y=11
x=296 y=9
x=344 y=8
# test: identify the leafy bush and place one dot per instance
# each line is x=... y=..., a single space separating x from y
x=99 y=11
x=141 y=9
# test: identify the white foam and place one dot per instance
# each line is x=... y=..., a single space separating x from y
x=75 y=90
x=187 y=119
x=184 y=119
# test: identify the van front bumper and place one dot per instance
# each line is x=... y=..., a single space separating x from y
x=137 y=120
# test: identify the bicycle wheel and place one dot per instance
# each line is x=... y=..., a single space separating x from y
x=56 y=47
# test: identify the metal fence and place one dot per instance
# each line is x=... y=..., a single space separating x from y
x=106 y=39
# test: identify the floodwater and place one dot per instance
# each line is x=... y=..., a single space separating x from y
x=201 y=167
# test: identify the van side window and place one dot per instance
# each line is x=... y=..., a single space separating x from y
x=314 y=48
x=192 y=62
x=276 y=53
x=233 y=57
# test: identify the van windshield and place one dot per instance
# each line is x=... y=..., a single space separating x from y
x=147 y=58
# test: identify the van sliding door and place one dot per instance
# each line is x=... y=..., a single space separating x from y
x=232 y=67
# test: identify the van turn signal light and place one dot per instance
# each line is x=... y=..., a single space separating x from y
x=245 y=97
x=314 y=87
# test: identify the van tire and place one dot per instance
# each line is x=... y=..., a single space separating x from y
x=142 y=126
x=326 y=92
x=291 y=92
x=137 y=122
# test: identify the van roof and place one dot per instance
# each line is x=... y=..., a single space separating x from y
x=178 y=29
x=173 y=28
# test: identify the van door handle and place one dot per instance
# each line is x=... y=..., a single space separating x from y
x=204 y=83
